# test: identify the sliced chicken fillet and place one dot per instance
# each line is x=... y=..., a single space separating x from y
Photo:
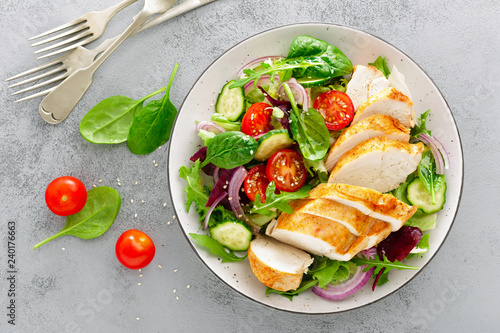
x=376 y=125
x=384 y=207
x=359 y=85
x=379 y=163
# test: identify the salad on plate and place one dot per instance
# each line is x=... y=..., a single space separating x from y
x=318 y=172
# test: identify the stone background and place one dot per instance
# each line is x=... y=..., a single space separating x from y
x=72 y=285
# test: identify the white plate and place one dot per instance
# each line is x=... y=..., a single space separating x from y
x=361 y=48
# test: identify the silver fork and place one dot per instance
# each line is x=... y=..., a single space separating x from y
x=59 y=103
x=90 y=25
x=82 y=57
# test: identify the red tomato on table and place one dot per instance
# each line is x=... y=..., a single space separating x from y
x=66 y=196
x=286 y=168
x=134 y=249
x=257 y=119
x=256 y=183
x=336 y=107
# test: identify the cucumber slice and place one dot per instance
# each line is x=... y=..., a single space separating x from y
x=260 y=219
x=418 y=195
x=271 y=142
x=307 y=82
x=231 y=102
x=235 y=235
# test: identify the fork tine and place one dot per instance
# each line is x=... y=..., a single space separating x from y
x=61 y=35
x=41 y=93
x=38 y=77
x=66 y=41
x=42 y=84
x=36 y=69
x=61 y=27
x=69 y=48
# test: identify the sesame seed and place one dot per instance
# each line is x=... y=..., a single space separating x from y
x=159 y=266
x=117 y=180
x=136 y=183
x=142 y=201
x=93 y=185
x=100 y=180
x=175 y=270
x=138 y=318
x=174 y=291
x=188 y=286
x=131 y=201
x=62 y=248
x=140 y=269
x=173 y=217
x=135 y=215
x=168 y=223
x=156 y=164
x=164 y=204
x=141 y=275
x=139 y=283
x=177 y=297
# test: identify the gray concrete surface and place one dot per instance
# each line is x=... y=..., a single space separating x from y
x=74 y=285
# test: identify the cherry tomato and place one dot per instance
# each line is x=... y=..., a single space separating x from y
x=134 y=249
x=286 y=168
x=65 y=196
x=257 y=119
x=336 y=107
x=256 y=183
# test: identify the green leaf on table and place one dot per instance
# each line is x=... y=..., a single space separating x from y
x=98 y=214
x=216 y=248
x=152 y=126
x=110 y=120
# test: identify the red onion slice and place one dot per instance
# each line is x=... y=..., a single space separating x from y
x=216 y=202
x=209 y=126
x=345 y=289
x=256 y=62
x=264 y=80
x=299 y=93
x=216 y=174
x=233 y=191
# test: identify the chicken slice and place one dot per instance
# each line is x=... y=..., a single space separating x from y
x=390 y=102
x=277 y=265
x=359 y=85
x=376 y=125
x=378 y=163
x=384 y=207
x=378 y=85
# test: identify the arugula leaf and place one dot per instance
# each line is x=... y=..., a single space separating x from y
x=308 y=57
x=152 y=126
x=229 y=150
x=326 y=270
x=216 y=248
x=309 y=130
x=380 y=264
x=109 y=121
x=304 y=285
x=427 y=173
x=421 y=129
x=381 y=65
x=95 y=218
x=277 y=201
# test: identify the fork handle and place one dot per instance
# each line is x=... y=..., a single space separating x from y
x=59 y=103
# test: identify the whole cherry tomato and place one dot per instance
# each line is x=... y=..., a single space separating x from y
x=134 y=249
x=66 y=196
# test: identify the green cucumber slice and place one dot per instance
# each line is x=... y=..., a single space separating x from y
x=308 y=82
x=235 y=235
x=418 y=195
x=231 y=102
x=271 y=142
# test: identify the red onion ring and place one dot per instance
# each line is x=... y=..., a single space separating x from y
x=438 y=151
x=299 y=93
x=256 y=62
x=233 y=191
x=264 y=80
x=209 y=126
x=216 y=202
x=216 y=174
x=345 y=289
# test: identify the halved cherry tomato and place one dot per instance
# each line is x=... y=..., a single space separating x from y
x=134 y=249
x=257 y=119
x=256 y=183
x=65 y=196
x=336 y=107
x=286 y=168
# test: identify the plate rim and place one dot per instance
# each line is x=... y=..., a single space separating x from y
x=184 y=232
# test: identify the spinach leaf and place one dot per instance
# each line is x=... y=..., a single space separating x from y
x=109 y=121
x=216 y=248
x=381 y=65
x=427 y=173
x=421 y=129
x=308 y=57
x=152 y=125
x=98 y=214
x=277 y=201
x=309 y=130
x=229 y=150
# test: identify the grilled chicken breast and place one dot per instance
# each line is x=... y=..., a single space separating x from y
x=390 y=102
x=277 y=265
x=359 y=86
x=384 y=207
x=376 y=125
x=378 y=163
